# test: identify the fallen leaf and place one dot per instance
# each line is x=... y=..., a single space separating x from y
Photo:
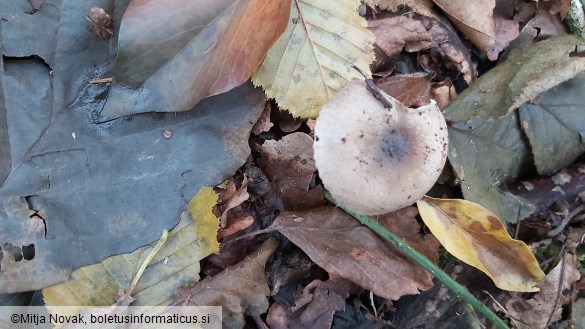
x=314 y=307
x=506 y=31
x=556 y=125
x=522 y=77
x=160 y=67
x=100 y=22
x=343 y=247
x=233 y=199
x=476 y=236
x=289 y=164
x=481 y=176
x=314 y=56
x=175 y=265
x=239 y=289
x=101 y=194
x=423 y=7
x=400 y=32
x=264 y=124
x=536 y=311
x=412 y=90
x=474 y=20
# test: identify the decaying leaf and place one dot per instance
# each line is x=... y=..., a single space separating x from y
x=289 y=164
x=476 y=236
x=314 y=56
x=343 y=247
x=506 y=31
x=556 y=125
x=314 y=306
x=474 y=19
x=521 y=78
x=174 y=266
x=412 y=90
x=400 y=32
x=423 y=7
x=100 y=22
x=172 y=54
x=481 y=176
x=239 y=289
x=536 y=311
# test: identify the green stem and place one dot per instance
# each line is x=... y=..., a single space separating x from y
x=399 y=243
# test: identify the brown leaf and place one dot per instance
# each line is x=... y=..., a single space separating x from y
x=395 y=33
x=100 y=22
x=473 y=19
x=240 y=289
x=506 y=31
x=264 y=124
x=314 y=306
x=412 y=90
x=536 y=311
x=289 y=164
x=343 y=247
x=173 y=53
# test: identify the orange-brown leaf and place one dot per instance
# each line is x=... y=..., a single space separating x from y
x=173 y=53
x=476 y=236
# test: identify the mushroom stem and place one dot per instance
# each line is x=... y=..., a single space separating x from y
x=460 y=291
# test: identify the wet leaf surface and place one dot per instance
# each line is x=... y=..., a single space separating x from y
x=172 y=54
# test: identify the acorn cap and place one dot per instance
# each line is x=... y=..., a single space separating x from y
x=375 y=160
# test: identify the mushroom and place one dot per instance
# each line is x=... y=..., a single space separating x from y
x=375 y=159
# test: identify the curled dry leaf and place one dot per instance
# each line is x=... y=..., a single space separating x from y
x=474 y=19
x=289 y=164
x=173 y=53
x=313 y=57
x=240 y=289
x=536 y=311
x=477 y=237
x=343 y=247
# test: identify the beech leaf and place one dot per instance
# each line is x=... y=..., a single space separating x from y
x=314 y=56
x=173 y=53
x=476 y=236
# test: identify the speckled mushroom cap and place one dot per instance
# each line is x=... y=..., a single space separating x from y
x=376 y=160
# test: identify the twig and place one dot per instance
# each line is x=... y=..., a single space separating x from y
x=503 y=309
x=459 y=290
x=374 y=90
x=566 y=221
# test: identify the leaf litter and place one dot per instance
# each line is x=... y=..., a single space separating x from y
x=492 y=150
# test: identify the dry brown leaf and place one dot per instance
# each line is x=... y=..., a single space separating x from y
x=343 y=247
x=536 y=311
x=506 y=31
x=443 y=92
x=289 y=164
x=264 y=124
x=474 y=19
x=400 y=32
x=239 y=289
x=423 y=7
x=412 y=90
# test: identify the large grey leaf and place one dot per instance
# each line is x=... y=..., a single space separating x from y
x=79 y=192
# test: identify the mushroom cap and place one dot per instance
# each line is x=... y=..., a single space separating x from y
x=375 y=160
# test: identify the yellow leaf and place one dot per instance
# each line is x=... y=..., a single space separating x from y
x=313 y=58
x=476 y=236
x=175 y=265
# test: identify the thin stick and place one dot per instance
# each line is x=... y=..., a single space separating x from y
x=460 y=291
